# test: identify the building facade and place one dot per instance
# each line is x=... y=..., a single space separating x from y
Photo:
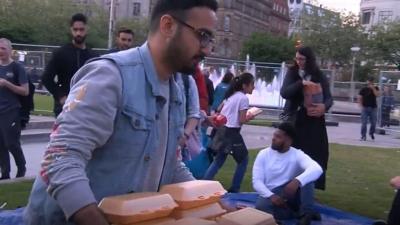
x=123 y=9
x=299 y=10
x=378 y=12
x=280 y=20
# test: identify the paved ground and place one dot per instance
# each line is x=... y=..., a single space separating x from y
x=255 y=137
x=345 y=133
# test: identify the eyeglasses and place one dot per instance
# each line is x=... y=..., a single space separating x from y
x=205 y=37
x=300 y=59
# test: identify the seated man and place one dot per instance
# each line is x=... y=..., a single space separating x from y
x=283 y=177
x=394 y=215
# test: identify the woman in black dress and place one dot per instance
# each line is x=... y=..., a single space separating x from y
x=309 y=121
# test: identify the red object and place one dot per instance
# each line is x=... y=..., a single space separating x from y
x=220 y=120
x=202 y=88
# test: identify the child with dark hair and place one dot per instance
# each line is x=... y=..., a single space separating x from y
x=228 y=139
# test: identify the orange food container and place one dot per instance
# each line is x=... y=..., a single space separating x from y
x=247 y=216
x=137 y=207
x=210 y=211
x=192 y=221
x=196 y=193
x=162 y=221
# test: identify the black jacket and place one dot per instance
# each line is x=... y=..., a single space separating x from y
x=292 y=90
x=63 y=64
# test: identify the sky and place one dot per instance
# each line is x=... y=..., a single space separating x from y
x=348 y=5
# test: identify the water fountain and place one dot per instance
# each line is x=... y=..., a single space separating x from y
x=264 y=94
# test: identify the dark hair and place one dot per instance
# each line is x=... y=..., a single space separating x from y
x=371 y=79
x=288 y=128
x=227 y=78
x=237 y=83
x=177 y=8
x=125 y=30
x=311 y=66
x=79 y=17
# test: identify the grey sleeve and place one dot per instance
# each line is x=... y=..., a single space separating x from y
x=86 y=123
x=193 y=101
x=182 y=173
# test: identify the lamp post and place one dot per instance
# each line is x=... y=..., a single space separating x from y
x=111 y=24
x=354 y=50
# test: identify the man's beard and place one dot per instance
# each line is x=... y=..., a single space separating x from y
x=175 y=57
x=278 y=147
x=79 y=39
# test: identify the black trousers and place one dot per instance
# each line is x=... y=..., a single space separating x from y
x=10 y=133
x=394 y=215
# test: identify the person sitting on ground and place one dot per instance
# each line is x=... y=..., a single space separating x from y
x=284 y=178
x=394 y=215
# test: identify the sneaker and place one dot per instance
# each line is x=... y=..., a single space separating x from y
x=316 y=216
x=305 y=219
x=5 y=177
x=363 y=138
x=372 y=136
x=21 y=172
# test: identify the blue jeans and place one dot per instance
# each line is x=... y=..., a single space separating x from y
x=239 y=172
x=368 y=113
x=204 y=137
x=302 y=203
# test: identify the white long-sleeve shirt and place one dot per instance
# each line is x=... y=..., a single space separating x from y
x=272 y=169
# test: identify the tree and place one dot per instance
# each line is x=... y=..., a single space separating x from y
x=46 y=22
x=384 y=45
x=331 y=35
x=263 y=47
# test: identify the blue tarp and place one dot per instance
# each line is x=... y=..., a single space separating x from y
x=330 y=216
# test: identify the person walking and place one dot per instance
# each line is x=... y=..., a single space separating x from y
x=367 y=101
x=13 y=84
x=228 y=139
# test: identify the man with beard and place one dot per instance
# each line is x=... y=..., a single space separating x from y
x=65 y=61
x=119 y=130
x=284 y=179
x=124 y=40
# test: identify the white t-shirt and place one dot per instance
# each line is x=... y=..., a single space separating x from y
x=237 y=102
x=272 y=169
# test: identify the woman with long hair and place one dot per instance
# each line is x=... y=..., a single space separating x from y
x=228 y=139
x=220 y=91
x=308 y=113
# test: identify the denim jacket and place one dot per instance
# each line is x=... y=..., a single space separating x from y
x=104 y=141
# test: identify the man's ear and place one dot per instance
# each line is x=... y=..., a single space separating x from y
x=168 y=26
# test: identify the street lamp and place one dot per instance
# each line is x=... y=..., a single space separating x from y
x=354 y=50
x=111 y=24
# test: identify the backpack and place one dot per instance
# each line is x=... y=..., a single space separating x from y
x=27 y=103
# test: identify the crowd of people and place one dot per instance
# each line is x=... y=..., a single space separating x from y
x=137 y=118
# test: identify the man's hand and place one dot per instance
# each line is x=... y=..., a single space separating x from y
x=309 y=83
x=291 y=188
x=62 y=100
x=3 y=82
x=278 y=201
x=316 y=110
x=395 y=182
x=89 y=215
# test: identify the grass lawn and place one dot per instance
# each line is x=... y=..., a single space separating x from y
x=43 y=105
x=260 y=122
x=357 y=180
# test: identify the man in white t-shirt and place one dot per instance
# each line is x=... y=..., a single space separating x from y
x=284 y=177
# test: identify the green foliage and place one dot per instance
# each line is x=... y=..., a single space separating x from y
x=332 y=35
x=384 y=44
x=263 y=47
x=47 y=22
